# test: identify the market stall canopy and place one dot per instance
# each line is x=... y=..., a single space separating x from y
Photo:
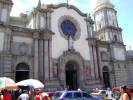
x=31 y=82
x=7 y=83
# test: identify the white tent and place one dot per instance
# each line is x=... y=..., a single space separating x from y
x=31 y=82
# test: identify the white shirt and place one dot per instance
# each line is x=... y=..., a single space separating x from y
x=121 y=98
x=24 y=96
x=109 y=93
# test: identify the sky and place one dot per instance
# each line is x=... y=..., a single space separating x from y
x=124 y=13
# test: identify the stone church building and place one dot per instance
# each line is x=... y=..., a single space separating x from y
x=64 y=47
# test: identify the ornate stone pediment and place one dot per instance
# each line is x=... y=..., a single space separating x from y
x=69 y=7
x=71 y=52
x=70 y=55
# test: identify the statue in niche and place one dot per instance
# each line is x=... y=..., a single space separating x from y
x=23 y=48
x=55 y=71
x=87 y=70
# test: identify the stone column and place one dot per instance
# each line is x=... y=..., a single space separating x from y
x=7 y=40
x=92 y=62
x=62 y=74
x=46 y=60
x=0 y=13
x=91 y=30
x=41 y=61
x=48 y=20
x=37 y=16
x=50 y=58
x=95 y=62
x=99 y=62
x=89 y=24
x=7 y=57
x=36 y=56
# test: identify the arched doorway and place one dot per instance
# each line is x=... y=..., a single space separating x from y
x=71 y=75
x=106 y=78
x=22 y=72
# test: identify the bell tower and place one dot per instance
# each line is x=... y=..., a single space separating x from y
x=107 y=28
x=5 y=10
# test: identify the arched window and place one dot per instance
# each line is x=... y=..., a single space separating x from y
x=22 y=66
x=113 y=23
x=100 y=26
x=115 y=38
x=22 y=72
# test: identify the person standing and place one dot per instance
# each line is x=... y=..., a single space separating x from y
x=45 y=96
x=109 y=94
x=7 y=96
x=38 y=96
x=124 y=94
x=1 y=96
x=23 y=96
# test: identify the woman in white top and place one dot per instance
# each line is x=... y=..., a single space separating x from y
x=109 y=94
x=24 y=96
x=124 y=94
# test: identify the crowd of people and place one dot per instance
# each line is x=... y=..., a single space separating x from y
x=41 y=95
x=23 y=95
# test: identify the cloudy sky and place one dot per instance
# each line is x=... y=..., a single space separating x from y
x=123 y=7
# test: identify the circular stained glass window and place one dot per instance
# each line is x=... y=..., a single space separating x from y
x=68 y=28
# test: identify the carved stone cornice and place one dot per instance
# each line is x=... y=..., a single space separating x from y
x=118 y=61
x=36 y=35
x=68 y=6
x=43 y=34
x=15 y=28
x=97 y=42
x=102 y=43
x=20 y=29
x=45 y=31
x=109 y=27
x=91 y=41
x=28 y=30
x=117 y=43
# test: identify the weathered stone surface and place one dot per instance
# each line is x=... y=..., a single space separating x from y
x=29 y=41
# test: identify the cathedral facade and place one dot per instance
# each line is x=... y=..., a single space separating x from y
x=63 y=47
